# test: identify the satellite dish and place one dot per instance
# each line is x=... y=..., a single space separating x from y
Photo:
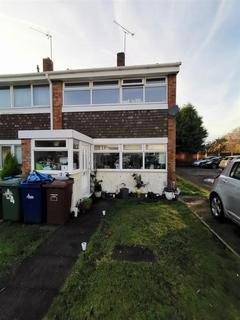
x=173 y=111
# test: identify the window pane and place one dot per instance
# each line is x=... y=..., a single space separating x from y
x=102 y=96
x=5 y=151
x=18 y=154
x=235 y=172
x=132 y=95
x=159 y=147
x=155 y=80
x=76 y=85
x=50 y=143
x=75 y=144
x=51 y=160
x=75 y=160
x=76 y=97
x=106 y=147
x=106 y=160
x=132 y=147
x=155 y=160
x=155 y=94
x=22 y=96
x=106 y=83
x=41 y=95
x=128 y=81
x=132 y=160
x=5 y=97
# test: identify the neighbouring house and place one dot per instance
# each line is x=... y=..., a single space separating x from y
x=119 y=120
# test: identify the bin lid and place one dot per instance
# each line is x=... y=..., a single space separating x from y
x=10 y=183
x=56 y=184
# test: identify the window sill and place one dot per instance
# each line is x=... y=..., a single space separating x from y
x=22 y=110
x=116 y=107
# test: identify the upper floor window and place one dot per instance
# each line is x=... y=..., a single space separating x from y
x=127 y=91
x=76 y=93
x=24 y=96
x=5 y=101
x=41 y=96
x=105 y=92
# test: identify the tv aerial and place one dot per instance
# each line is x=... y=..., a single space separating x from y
x=48 y=35
x=126 y=32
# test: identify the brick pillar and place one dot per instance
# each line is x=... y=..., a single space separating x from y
x=171 y=130
x=57 y=99
x=26 y=156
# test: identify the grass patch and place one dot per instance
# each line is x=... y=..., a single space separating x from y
x=17 y=241
x=193 y=277
x=191 y=189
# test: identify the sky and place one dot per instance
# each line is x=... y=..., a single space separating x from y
x=203 y=34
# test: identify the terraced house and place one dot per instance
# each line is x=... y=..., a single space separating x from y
x=119 y=120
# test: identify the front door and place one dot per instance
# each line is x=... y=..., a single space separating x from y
x=86 y=169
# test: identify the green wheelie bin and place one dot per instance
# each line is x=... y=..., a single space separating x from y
x=11 y=205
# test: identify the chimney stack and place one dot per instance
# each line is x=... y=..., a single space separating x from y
x=47 y=65
x=120 y=59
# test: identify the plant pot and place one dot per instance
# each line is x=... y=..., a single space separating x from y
x=98 y=194
x=169 y=195
x=138 y=192
x=124 y=193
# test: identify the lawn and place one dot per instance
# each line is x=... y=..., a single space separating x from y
x=17 y=241
x=191 y=189
x=193 y=276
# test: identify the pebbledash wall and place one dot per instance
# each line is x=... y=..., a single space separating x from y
x=143 y=123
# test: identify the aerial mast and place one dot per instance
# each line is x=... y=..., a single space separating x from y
x=126 y=32
x=48 y=35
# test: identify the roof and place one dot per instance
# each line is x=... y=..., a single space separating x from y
x=94 y=73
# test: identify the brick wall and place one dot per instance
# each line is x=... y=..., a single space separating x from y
x=118 y=124
x=57 y=104
x=26 y=156
x=171 y=130
x=10 y=124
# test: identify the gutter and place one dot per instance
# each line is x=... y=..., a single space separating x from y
x=51 y=101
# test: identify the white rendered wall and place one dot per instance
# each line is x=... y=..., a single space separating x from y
x=112 y=181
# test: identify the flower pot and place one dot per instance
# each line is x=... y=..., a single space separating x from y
x=98 y=194
x=169 y=195
x=124 y=192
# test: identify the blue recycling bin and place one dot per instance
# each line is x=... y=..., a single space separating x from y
x=33 y=202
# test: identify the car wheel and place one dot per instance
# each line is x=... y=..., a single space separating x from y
x=216 y=207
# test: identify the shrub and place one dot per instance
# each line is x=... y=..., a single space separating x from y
x=10 y=166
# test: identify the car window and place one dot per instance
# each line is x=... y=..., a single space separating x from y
x=235 y=172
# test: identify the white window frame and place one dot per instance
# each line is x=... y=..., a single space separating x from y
x=91 y=106
x=69 y=148
x=8 y=143
x=121 y=151
x=31 y=106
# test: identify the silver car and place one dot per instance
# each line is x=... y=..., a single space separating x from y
x=225 y=195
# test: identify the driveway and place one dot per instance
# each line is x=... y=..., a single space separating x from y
x=198 y=175
x=228 y=231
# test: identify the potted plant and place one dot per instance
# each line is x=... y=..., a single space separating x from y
x=171 y=191
x=139 y=184
x=97 y=187
x=85 y=204
x=10 y=166
x=124 y=192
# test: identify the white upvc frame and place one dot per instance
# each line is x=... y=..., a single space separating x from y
x=8 y=143
x=32 y=106
x=68 y=148
x=120 y=150
x=121 y=104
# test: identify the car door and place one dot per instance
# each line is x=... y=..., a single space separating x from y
x=232 y=191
